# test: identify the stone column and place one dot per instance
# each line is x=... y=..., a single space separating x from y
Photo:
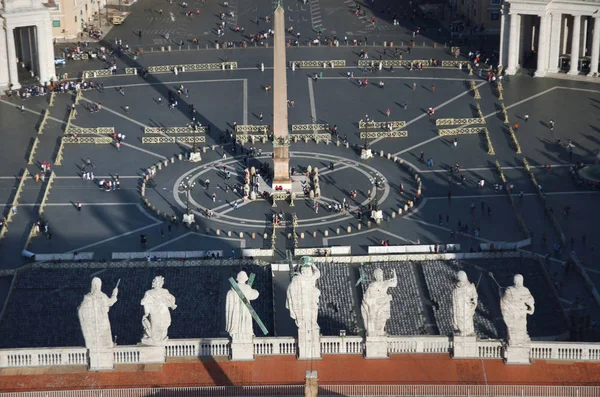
x=584 y=49
x=595 y=47
x=513 y=48
x=504 y=34
x=555 y=31
x=45 y=51
x=4 y=77
x=543 y=46
x=13 y=71
x=281 y=155
x=565 y=35
x=575 y=45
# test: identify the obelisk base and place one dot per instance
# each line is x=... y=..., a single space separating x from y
x=464 y=347
x=376 y=347
x=309 y=344
x=281 y=175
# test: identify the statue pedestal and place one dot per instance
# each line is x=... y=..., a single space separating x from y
x=101 y=360
x=376 y=347
x=152 y=354
x=465 y=347
x=188 y=219
x=309 y=344
x=195 y=157
x=366 y=154
x=517 y=354
x=242 y=350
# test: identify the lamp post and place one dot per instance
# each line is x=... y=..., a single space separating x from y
x=187 y=185
x=378 y=182
x=99 y=17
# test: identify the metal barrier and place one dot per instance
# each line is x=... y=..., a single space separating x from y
x=15 y=200
x=46 y=193
x=310 y=127
x=310 y=136
x=455 y=63
x=173 y=139
x=393 y=62
x=381 y=124
x=463 y=121
x=34 y=146
x=243 y=139
x=97 y=140
x=245 y=128
x=383 y=134
x=192 y=67
x=80 y=57
x=461 y=131
x=319 y=64
x=71 y=130
x=88 y=74
x=175 y=130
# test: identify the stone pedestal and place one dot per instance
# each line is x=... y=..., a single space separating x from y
x=376 y=347
x=195 y=157
x=465 y=347
x=101 y=360
x=152 y=354
x=518 y=354
x=309 y=344
x=366 y=154
x=242 y=350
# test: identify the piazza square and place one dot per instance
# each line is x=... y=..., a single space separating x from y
x=318 y=197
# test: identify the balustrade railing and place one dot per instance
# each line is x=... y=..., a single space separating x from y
x=341 y=345
x=197 y=347
x=43 y=357
x=275 y=346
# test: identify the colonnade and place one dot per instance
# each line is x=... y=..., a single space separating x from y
x=26 y=36
x=550 y=37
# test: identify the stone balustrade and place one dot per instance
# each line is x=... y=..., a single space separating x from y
x=275 y=346
x=285 y=345
x=343 y=250
x=43 y=357
x=342 y=345
x=81 y=140
x=310 y=136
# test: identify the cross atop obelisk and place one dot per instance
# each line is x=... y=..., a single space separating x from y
x=281 y=141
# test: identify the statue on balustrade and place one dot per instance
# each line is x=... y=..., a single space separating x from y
x=464 y=303
x=238 y=321
x=93 y=317
x=376 y=304
x=303 y=297
x=516 y=304
x=157 y=317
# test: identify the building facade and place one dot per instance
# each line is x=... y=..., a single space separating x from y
x=484 y=15
x=550 y=36
x=26 y=39
x=71 y=17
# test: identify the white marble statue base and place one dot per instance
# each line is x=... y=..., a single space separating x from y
x=242 y=351
x=517 y=354
x=188 y=219
x=152 y=354
x=195 y=157
x=366 y=154
x=102 y=360
x=309 y=344
x=464 y=347
x=376 y=347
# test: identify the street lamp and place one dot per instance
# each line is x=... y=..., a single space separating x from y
x=378 y=181
x=187 y=185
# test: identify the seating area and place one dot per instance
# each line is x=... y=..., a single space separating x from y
x=337 y=308
x=42 y=310
x=408 y=309
x=440 y=277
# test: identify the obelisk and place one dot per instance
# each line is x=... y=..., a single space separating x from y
x=281 y=141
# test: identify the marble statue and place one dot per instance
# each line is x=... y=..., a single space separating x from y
x=303 y=298
x=93 y=317
x=376 y=304
x=464 y=303
x=157 y=318
x=238 y=321
x=516 y=304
